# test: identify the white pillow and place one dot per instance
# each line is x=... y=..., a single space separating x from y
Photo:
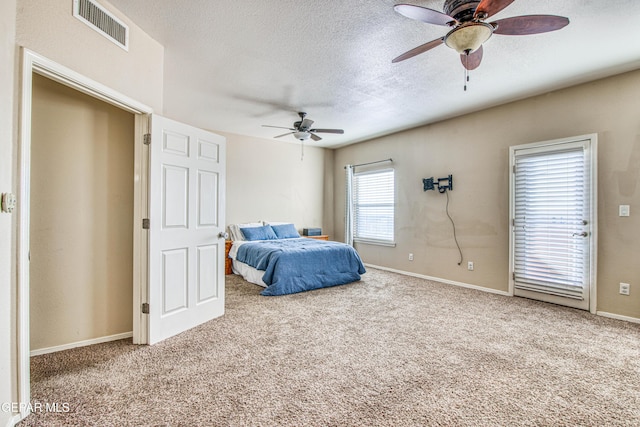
x=236 y=234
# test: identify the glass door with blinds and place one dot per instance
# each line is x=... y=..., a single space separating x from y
x=552 y=247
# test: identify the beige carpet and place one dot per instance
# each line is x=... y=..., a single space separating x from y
x=387 y=351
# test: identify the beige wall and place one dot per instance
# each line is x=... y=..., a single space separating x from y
x=81 y=265
x=267 y=181
x=49 y=29
x=475 y=149
x=8 y=361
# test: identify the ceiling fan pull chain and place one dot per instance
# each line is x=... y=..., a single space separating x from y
x=466 y=69
x=466 y=78
x=301 y=150
x=466 y=61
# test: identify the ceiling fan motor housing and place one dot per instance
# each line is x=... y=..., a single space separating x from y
x=461 y=10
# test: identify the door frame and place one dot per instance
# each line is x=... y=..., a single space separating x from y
x=593 y=208
x=35 y=63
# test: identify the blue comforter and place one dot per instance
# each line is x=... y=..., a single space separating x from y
x=296 y=265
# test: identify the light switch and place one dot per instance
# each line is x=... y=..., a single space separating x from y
x=624 y=210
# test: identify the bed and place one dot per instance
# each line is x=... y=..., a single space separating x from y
x=276 y=257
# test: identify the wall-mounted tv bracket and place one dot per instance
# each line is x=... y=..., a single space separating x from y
x=443 y=184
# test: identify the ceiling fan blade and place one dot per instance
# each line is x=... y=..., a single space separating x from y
x=488 y=8
x=418 y=50
x=306 y=124
x=530 y=24
x=277 y=127
x=284 y=134
x=314 y=136
x=340 y=131
x=423 y=14
x=473 y=60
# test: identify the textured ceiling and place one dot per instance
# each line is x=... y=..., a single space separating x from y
x=233 y=66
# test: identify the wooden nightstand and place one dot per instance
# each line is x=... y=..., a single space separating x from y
x=321 y=237
x=227 y=260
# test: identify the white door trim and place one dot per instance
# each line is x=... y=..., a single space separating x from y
x=35 y=63
x=593 y=156
x=141 y=200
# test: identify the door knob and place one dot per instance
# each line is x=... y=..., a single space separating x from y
x=583 y=234
x=223 y=235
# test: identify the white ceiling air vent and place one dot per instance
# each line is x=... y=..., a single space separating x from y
x=103 y=21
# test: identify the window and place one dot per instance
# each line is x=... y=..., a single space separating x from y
x=374 y=206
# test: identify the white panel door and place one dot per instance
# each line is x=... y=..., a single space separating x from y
x=186 y=247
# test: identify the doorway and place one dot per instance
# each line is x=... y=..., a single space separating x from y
x=33 y=64
x=81 y=228
x=553 y=221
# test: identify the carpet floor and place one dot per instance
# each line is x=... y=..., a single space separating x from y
x=389 y=350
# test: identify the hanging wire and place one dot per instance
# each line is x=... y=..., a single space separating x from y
x=455 y=238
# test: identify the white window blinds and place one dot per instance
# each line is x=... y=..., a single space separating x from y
x=374 y=205
x=551 y=202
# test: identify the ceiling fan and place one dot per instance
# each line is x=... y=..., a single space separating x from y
x=469 y=29
x=302 y=129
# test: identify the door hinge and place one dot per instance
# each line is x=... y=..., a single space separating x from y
x=147 y=139
x=146 y=223
x=514 y=168
x=145 y=308
x=513 y=275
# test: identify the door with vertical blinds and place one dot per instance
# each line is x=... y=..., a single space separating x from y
x=552 y=215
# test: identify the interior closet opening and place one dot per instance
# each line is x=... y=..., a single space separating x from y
x=81 y=223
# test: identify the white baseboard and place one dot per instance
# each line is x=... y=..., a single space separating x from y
x=84 y=343
x=618 y=317
x=13 y=421
x=437 y=279
x=492 y=291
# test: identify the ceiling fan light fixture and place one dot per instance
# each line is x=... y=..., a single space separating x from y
x=468 y=37
x=302 y=136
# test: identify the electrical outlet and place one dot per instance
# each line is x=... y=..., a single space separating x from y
x=470 y=266
x=624 y=288
x=624 y=210
x=7 y=202
x=410 y=257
